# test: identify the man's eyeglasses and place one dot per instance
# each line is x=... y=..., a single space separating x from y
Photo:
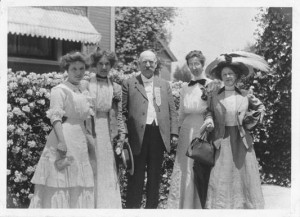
x=151 y=63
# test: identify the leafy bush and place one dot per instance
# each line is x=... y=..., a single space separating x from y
x=273 y=139
x=27 y=127
x=139 y=29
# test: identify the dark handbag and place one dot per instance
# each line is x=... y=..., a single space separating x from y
x=251 y=119
x=202 y=150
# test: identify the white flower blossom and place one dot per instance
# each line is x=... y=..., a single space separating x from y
x=18 y=176
x=43 y=90
x=47 y=95
x=32 y=76
x=15 y=202
x=25 y=126
x=10 y=115
x=32 y=105
x=12 y=85
x=8 y=172
x=9 y=143
x=41 y=101
x=10 y=128
x=29 y=92
x=26 y=108
x=23 y=101
x=25 y=81
x=30 y=169
x=31 y=144
x=22 y=73
x=8 y=107
x=17 y=111
x=20 y=132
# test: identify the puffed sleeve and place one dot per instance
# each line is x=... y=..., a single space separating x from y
x=57 y=105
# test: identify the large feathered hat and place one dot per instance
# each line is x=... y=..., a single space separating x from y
x=243 y=61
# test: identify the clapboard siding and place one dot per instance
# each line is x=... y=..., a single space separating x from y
x=101 y=18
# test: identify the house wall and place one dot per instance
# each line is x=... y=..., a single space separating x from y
x=102 y=19
x=165 y=72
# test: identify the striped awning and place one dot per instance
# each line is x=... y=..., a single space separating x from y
x=39 y=22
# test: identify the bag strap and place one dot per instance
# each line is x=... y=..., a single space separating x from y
x=203 y=135
x=93 y=126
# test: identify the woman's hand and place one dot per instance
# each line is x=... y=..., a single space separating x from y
x=120 y=143
x=64 y=162
x=213 y=86
x=174 y=140
x=209 y=124
x=62 y=149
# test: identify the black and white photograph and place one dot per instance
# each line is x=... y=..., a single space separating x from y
x=142 y=108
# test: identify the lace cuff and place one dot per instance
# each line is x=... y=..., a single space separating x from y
x=55 y=114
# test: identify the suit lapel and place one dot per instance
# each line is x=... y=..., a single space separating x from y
x=140 y=86
x=221 y=98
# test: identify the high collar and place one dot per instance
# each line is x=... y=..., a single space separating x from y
x=235 y=88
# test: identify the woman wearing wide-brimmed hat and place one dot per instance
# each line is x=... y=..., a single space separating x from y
x=234 y=180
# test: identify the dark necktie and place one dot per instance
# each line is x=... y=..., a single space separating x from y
x=200 y=81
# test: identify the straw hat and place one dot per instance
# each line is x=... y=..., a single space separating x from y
x=244 y=62
x=127 y=158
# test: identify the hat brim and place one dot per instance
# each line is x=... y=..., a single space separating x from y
x=127 y=158
x=213 y=70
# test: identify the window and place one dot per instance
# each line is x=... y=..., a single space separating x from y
x=31 y=47
x=68 y=46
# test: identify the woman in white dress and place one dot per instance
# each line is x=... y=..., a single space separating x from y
x=106 y=96
x=192 y=115
x=63 y=177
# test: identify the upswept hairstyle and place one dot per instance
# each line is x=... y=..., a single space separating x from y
x=195 y=53
x=98 y=54
x=72 y=57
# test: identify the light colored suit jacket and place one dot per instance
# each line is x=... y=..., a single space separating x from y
x=244 y=101
x=135 y=106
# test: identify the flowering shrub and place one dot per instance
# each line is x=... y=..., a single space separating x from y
x=27 y=129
